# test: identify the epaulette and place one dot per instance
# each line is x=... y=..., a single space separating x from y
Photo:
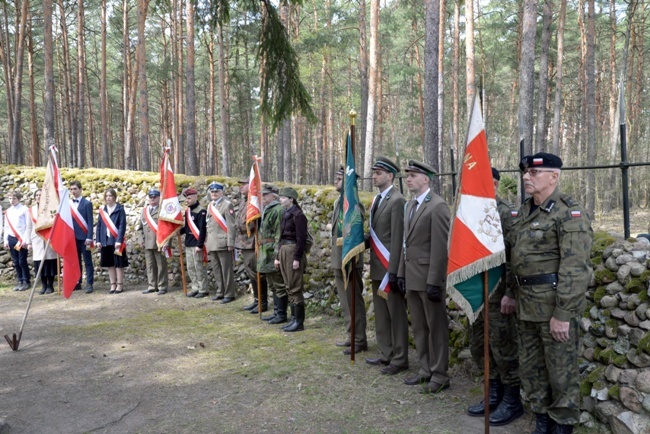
x=568 y=200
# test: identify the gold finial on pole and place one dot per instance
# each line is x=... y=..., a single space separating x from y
x=353 y=116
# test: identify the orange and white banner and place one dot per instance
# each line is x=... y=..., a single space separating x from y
x=170 y=215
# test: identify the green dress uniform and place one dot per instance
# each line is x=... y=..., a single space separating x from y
x=155 y=261
x=220 y=243
x=550 y=263
x=245 y=243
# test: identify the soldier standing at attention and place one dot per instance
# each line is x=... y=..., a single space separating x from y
x=550 y=242
x=245 y=243
x=422 y=275
x=269 y=236
x=195 y=234
x=221 y=242
x=345 y=296
x=505 y=406
x=155 y=260
x=385 y=240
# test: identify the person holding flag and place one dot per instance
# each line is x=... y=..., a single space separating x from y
x=422 y=276
x=39 y=253
x=195 y=235
x=220 y=242
x=82 y=219
x=111 y=240
x=155 y=260
x=292 y=258
x=385 y=242
x=16 y=238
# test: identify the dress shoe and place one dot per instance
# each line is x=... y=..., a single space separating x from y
x=433 y=387
x=392 y=369
x=162 y=292
x=77 y=287
x=418 y=379
x=201 y=295
x=192 y=294
x=343 y=344
x=217 y=297
x=42 y=291
x=24 y=286
x=17 y=287
x=376 y=362
x=89 y=289
x=149 y=291
x=357 y=349
x=227 y=300
x=49 y=290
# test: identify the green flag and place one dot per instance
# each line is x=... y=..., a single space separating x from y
x=353 y=239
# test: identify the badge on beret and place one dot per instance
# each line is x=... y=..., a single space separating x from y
x=576 y=214
x=538 y=161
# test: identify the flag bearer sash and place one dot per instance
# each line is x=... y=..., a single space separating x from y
x=15 y=233
x=218 y=217
x=79 y=219
x=150 y=221
x=382 y=254
x=112 y=230
x=195 y=231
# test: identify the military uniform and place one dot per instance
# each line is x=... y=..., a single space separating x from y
x=194 y=258
x=550 y=263
x=155 y=260
x=423 y=266
x=269 y=236
x=391 y=319
x=220 y=244
x=345 y=296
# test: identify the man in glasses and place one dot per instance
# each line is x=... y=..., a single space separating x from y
x=155 y=260
x=550 y=242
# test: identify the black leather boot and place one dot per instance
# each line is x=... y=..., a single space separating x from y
x=510 y=407
x=495 y=395
x=293 y=318
x=252 y=306
x=275 y=309
x=264 y=299
x=543 y=424
x=281 y=317
x=562 y=429
x=298 y=325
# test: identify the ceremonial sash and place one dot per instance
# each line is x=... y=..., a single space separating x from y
x=79 y=219
x=19 y=244
x=381 y=251
x=31 y=213
x=112 y=229
x=216 y=215
x=150 y=221
x=195 y=231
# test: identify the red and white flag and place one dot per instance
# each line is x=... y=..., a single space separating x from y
x=170 y=216
x=254 y=207
x=49 y=202
x=64 y=244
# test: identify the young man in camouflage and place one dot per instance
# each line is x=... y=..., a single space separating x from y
x=245 y=244
x=505 y=406
x=550 y=242
x=269 y=235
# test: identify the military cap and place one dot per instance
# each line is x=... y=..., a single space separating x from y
x=541 y=159
x=386 y=165
x=190 y=191
x=341 y=171
x=153 y=193
x=269 y=188
x=244 y=180
x=288 y=192
x=215 y=186
x=417 y=166
x=495 y=174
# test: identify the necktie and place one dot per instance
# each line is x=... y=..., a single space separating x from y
x=375 y=206
x=413 y=209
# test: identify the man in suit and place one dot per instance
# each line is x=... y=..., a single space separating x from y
x=155 y=260
x=82 y=216
x=385 y=242
x=345 y=296
x=422 y=274
x=220 y=242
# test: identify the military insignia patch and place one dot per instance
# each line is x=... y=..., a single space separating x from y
x=538 y=161
x=231 y=211
x=576 y=214
x=514 y=213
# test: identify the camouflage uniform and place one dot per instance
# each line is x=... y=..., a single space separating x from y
x=269 y=235
x=504 y=361
x=554 y=238
x=246 y=243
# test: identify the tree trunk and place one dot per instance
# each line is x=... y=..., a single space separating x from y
x=470 y=85
x=555 y=149
x=6 y=54
x=224 y=106
x=213 y=155
x=36 y=146
x=81 y=88
x=16 y=143
x=418 y=61
x=179 y=109
x=103 y=103
x=441 y=87
x=363 y=73
x=540 y=141
x=145 y=158
x=48 y=93
x=431 y=47
x=372 y=94
x=190 y=138
x=527 y=74
x=591 y=106
x=455 y=72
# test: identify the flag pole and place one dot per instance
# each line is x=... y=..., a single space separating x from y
x=58 y=275
x=180 y=255
x=352 y=285
x=486 y=353
x=14 y=341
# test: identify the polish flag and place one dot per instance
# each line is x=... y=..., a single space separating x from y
x=63 y=242
x=254 y=207
x=49 y=203
x=170 y=216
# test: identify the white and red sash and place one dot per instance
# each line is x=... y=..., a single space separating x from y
x=112 y=229
x=216 y=215
x=150 y=221
x=195 y=231
x=79 y=219
x=381 y=251
x=33 y=210
x=16 y=235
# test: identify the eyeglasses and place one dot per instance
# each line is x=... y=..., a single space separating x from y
x=534 y=172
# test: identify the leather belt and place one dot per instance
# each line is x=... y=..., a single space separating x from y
x=540 y=279
x=267 y=240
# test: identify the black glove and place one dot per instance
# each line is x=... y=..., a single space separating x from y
x=401 y=285
x=434 y=293
x=392 y=282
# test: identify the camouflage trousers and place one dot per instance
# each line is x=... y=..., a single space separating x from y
x=504 y=358
x=549 y=371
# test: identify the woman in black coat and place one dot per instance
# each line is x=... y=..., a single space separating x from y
x=110 y=238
